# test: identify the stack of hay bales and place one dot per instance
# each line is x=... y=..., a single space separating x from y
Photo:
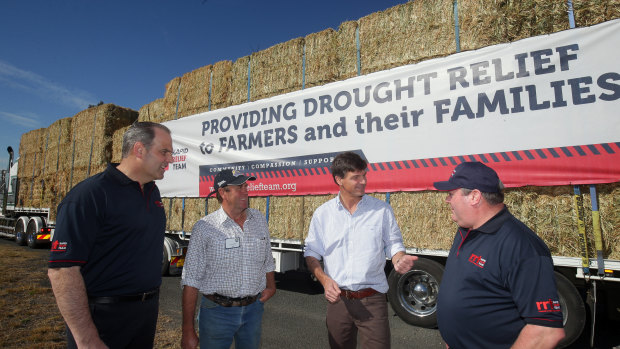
x=412 y=32
x=29 y=169
x=56 y=162
x=92 y=136
x=54 y=159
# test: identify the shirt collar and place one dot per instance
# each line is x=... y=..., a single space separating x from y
x=359 y=204
x=222 y=216
x=496 y=222
x=122 y=178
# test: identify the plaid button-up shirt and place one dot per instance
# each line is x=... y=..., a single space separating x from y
x=230 y=269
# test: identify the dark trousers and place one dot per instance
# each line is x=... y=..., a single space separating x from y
x=124 y=324
x=368 y=315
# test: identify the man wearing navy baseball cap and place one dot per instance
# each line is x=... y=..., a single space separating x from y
x=229 y=263
x=498 y=289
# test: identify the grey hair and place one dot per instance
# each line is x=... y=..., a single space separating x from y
x=492 y=198
x=143 y=132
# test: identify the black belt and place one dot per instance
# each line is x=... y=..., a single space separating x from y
x=230 y=301
x=126 y=298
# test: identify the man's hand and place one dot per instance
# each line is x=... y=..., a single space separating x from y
x=332 y=290
x=189 y=340
x=271 y=287
x=403 y=262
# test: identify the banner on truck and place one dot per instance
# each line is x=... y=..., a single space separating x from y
x=540 y=111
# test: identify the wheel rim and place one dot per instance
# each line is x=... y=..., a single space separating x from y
x=418 y=292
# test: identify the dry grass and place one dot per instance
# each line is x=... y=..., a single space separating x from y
x=29 y=316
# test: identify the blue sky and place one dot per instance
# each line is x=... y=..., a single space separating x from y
x=59 y=56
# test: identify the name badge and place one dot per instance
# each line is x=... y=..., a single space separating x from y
x=232 y=242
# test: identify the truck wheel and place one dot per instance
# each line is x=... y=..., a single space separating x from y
x=20 y=232
x=165 y=263
x=413 y=295
x=573 y=310
x=31 y=234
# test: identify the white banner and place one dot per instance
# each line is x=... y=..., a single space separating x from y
x=536 y=96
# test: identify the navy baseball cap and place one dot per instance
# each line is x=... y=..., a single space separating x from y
x=472 y=175
x=229 y=177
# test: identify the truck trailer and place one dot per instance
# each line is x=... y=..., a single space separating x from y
x=541 y=111
x=26 y=225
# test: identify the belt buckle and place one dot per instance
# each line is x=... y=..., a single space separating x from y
x=348 y=294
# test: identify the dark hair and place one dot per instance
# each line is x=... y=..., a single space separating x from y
x=143 y=132
x=492 y=198
x=347 y=162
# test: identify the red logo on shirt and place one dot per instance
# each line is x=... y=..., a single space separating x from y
x=548 y=306
x=477 y=260
x=159 y=204
x=58 y=246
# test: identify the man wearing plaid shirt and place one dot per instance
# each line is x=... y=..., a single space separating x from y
x=229 y=263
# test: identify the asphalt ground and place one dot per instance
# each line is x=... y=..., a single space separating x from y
x=295 y=316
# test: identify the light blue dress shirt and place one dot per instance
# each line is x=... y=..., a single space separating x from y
x=354 y=247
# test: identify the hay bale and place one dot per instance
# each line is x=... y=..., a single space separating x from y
x=117 y=144
x=92 y=131
x=174 y=215
x=591 y=12
x=258 y=203
x=346 y=49
x=310 y=204
x=31 y=159
x=58 y=142
x=221 y=81
x=31 y=153
x=153 y=111
x=285 y=217
x=483 y=23
x=170 y=100
x=405 y=34
x=277 y=70
x=239 y=82
x=321 y=58
x=212 y=205
x=194 y=211
x=424 y=219
x=194 y=93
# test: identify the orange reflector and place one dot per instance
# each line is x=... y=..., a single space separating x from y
x=43 y=237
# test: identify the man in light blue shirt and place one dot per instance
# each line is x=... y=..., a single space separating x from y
x=354 y=234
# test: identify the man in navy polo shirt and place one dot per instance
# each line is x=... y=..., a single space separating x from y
x=105 y=260
x=498 y=289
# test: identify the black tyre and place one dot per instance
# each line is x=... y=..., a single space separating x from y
x=165 y=263
x=573 y=310
x=413 y=295
x=20 y=232
x=31 y=235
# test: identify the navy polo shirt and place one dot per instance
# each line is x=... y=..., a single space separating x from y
x=497 y=279
x=114 y=230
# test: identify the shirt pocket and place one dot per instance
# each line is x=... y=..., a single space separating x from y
x=367 y=241
x=256 y=249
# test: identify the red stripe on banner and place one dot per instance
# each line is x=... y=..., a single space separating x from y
x=584 y=164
